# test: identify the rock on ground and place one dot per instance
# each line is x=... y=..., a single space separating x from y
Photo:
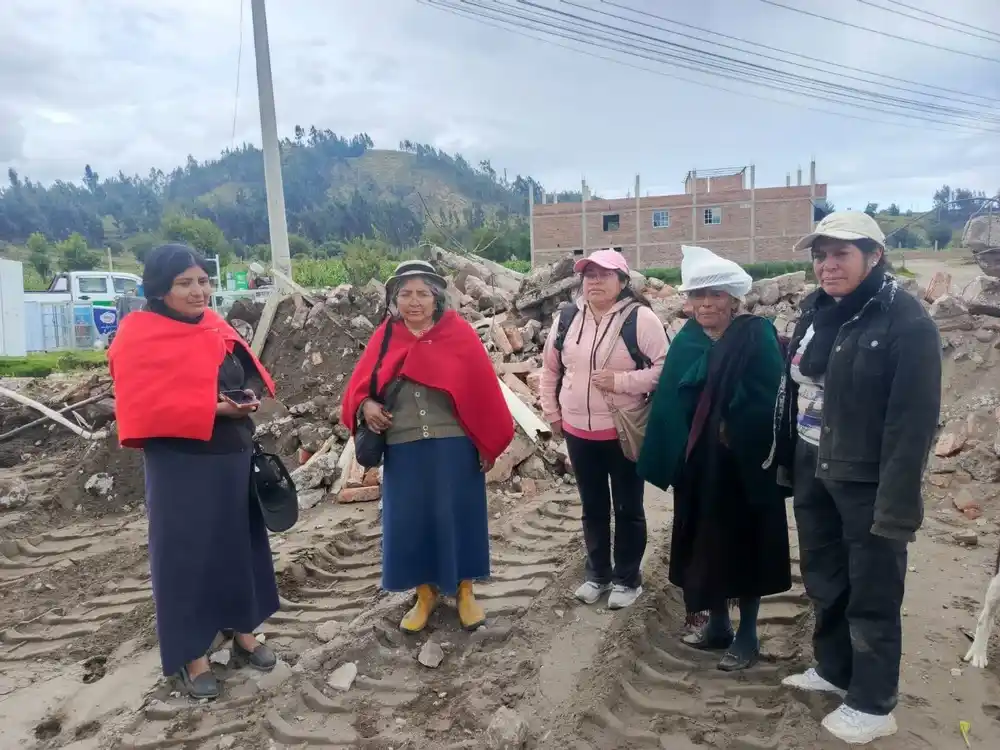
x=506 y=731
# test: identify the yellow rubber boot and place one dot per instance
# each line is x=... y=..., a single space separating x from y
x=470 y=614
x=416 y=619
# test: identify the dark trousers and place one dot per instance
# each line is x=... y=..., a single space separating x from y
x=855 y=581
x=597 y=465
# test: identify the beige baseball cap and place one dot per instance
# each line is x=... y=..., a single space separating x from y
x=844 y=225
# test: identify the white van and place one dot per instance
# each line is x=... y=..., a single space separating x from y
x=100 y=288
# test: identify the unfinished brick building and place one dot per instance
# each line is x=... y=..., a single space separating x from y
x=720 y=209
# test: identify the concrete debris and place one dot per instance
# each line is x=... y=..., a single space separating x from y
x=343 y=677
x=506 y=731
x=982 y=237
x=13 y=493
x=431 y=655
x=100 y=485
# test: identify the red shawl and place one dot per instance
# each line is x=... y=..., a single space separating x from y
x=450 y=358
x=166 y=375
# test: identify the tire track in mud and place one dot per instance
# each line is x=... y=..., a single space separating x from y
x=22 y=558
x=670 y=696
x=59 y=633
x=394 y=702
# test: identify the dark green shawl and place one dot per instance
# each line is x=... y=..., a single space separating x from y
x=748 y=413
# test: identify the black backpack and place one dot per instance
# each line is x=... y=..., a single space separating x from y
x=628 y=334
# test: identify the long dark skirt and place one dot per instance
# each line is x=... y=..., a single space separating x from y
x=743 y=553
x=208 y=551
x=435 y=528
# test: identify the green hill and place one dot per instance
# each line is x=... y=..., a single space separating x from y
x=336 y=189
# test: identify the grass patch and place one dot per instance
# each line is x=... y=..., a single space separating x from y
x=519 y=266
x=45 y=363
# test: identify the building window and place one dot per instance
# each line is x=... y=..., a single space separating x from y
x=617 y=249
x=578 y=251
x=661 y=219
x=611 y=223
x=713 y=215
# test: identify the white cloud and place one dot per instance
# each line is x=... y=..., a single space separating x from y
x=126 y=84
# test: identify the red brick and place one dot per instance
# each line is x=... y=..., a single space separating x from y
x=359 y=494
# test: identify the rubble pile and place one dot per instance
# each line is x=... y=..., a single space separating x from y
x=315 y=339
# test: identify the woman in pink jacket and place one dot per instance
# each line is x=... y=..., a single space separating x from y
x=605 y=351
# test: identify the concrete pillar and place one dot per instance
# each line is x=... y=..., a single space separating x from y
x=812 y=194
x=531 y=220
x=638 y=227
x=753 y=214
x=788 y=179
x=694 y=207
x=800 y=177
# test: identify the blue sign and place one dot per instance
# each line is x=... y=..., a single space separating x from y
x=105 y=319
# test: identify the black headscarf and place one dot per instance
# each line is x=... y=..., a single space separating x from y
x=830 y=316
x=164 y=264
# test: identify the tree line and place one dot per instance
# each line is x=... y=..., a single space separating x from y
x=221 y=203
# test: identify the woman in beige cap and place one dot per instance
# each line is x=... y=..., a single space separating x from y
x=856 y=414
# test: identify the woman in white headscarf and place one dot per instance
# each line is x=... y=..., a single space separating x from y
x=708 y=435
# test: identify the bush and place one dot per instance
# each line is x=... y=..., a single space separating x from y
x=520 y=266
x=318 y=273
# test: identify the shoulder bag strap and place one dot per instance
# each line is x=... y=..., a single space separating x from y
x=620 y=318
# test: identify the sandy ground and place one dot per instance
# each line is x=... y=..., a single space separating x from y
x=83 y=673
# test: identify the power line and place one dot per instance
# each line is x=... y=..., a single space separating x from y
x=513 y=29
x=806 y=66
x=504 y=15
x=919 y=42
x=937 y=24
x=943 y=18
x=743 y=70
x=870 y=74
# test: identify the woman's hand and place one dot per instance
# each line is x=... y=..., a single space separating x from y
x=226 y=408
x=603 y=380
x=485 y=464
x=375 y=416
x=557 y=430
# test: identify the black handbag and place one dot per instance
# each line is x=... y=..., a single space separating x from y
x=273 y=489
x=369 y=446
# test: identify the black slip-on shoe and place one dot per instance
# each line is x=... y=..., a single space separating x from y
x=702 y=640
x=203 y=687
x=261 y=658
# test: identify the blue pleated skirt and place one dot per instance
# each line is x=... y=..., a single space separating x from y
x=209 y=555
x=435 y=528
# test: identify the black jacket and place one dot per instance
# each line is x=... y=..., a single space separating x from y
x=881 y=402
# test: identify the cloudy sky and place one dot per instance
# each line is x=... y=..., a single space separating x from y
x=130 y=84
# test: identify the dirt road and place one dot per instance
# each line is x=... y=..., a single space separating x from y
x=962 y=269
x=80 y=669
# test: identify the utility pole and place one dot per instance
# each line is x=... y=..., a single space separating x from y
x=276 y=219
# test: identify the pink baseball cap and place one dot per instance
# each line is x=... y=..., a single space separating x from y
x=609 y=259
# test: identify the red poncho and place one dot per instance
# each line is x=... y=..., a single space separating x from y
x=450 y=358
x=166 y=375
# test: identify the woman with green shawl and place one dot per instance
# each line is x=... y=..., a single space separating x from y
x=708 y=436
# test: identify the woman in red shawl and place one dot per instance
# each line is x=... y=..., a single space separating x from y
x=173 y=365
x=445 y=423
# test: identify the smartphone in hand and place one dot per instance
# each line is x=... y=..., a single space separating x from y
x=239 y=398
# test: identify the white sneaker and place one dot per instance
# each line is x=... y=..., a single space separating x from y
x=623 y=596
x=590 y=592
x=811 y=682
x=855 y=728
